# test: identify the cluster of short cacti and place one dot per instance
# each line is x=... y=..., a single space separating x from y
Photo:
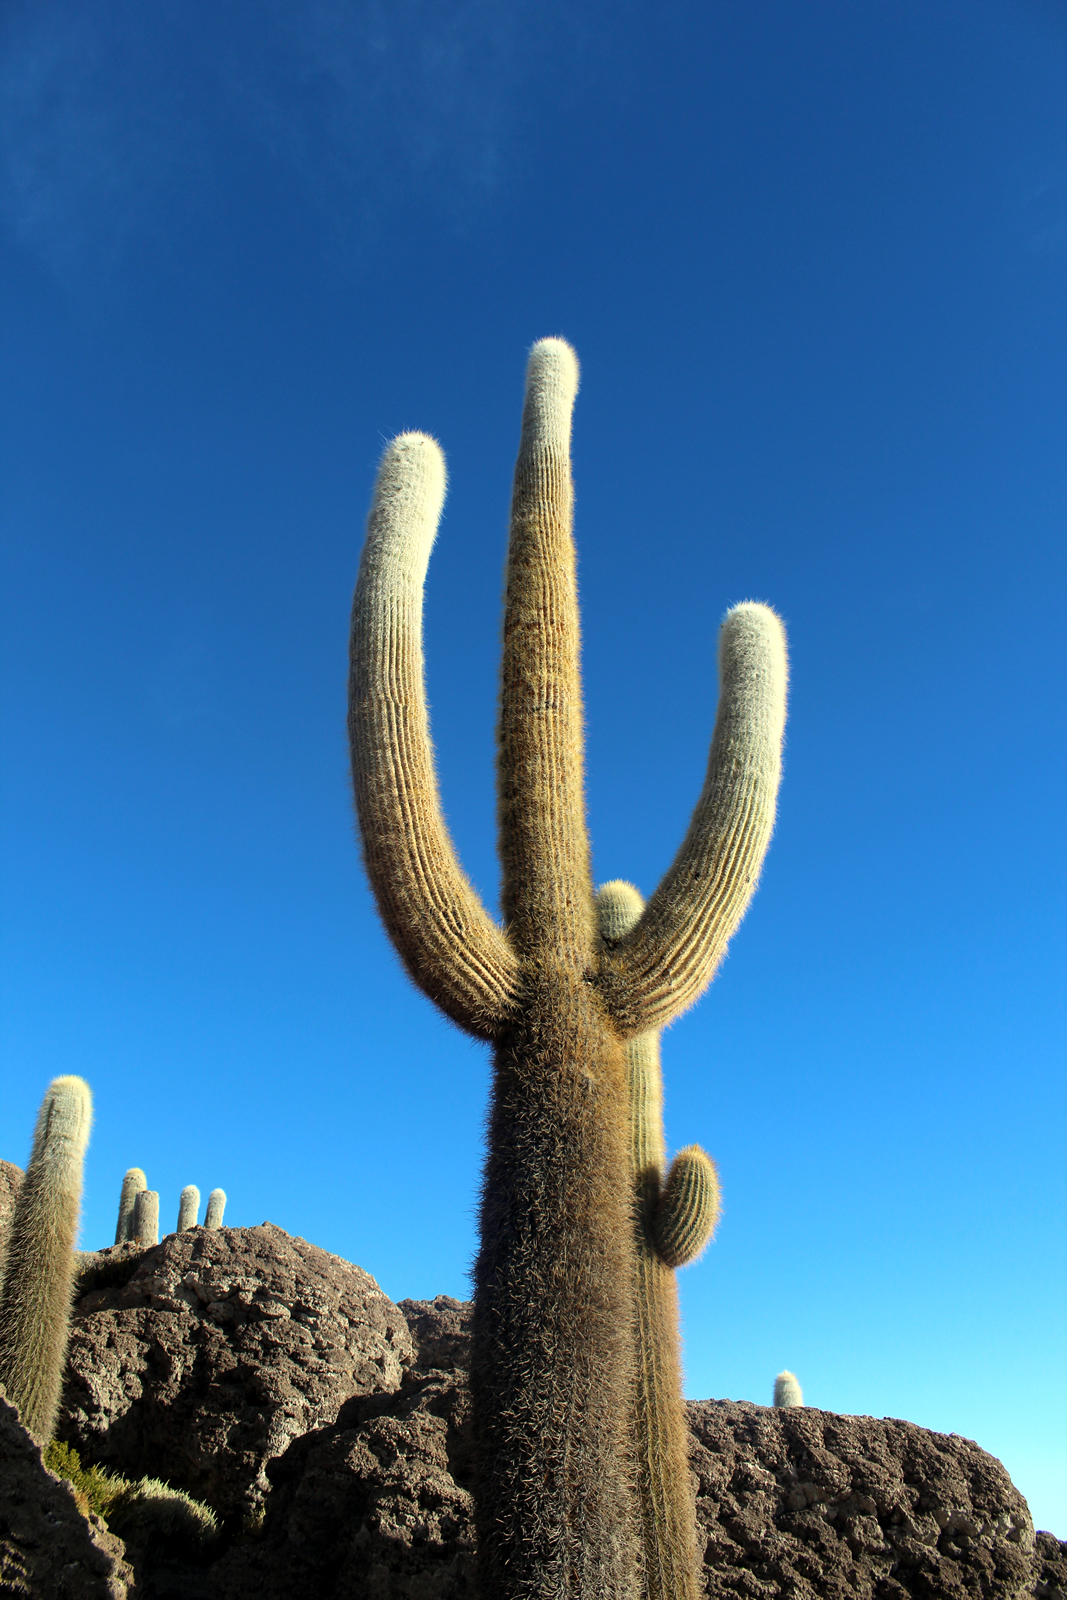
x=38 y=1277
x=138 y=1221
x=555 y=1339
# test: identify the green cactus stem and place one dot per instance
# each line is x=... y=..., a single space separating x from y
x=188 y=1206
x=673 y=1222
x=132 y=1184
x=39 y=1272
x=552 y=1357
x=146 y=1217
x=216 y=1206
x=787 y=1391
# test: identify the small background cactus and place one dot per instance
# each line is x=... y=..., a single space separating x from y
x=216 y=1206
x=787 y=1391
x=188 y=1206
x=146 y=1217
x=132 y=1184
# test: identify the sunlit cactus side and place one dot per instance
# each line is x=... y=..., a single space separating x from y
x=132 y=1185
x=146 y=1217
x=787 y=1391
x=188 y=1206
x=673 y=1222
x=552 y=1351
x=39 y=1271
x=216 y=1206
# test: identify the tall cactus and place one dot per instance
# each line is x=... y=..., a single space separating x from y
x=552 y=1354
x=673 y=1222
x=39 y=1271
x=132 y=1184
x=188 y=1206
x=216 y=1207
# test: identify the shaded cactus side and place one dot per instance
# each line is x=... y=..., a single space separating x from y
x=188 y=1206
x=38 y=1278
x=787 y=1391
x=132 y=1185
x=146 y=1217
x=216 y=1206
x=673 y=1222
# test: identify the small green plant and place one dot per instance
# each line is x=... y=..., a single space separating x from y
x=139 y=1510
x=96 y=1489
x=188 y=1206
x=132 y=1185
x=787 y=1391
x=39 y=1271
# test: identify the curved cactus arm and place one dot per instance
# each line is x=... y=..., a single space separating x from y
x=546 y=888
x=688 y=1210
x=443 y=934
x=132 y=1184
x=660 y=968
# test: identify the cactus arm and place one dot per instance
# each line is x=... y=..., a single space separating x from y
x=188 y=1206
x=663 y=965
x=39 y=1274
x=688 y=1210
x=787 y=1390
x=547 y=892
x=146 y=1218
x=445 y=938
x=216 y=1209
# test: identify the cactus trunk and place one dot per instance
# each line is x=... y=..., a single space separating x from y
x=39 y=1270
x=132 y=1185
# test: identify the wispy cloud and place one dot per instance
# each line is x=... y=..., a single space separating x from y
x=114 y=119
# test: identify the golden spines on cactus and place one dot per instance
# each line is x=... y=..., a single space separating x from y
x=39 y=1269
x=673 y=1222
x=552 y=1363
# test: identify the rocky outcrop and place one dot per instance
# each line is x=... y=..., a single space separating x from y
x=48 y=1549
x=213 y=1351
x=377 y=1505
x=802 y=1502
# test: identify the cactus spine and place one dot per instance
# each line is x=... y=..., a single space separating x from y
x=552 y=1359
x=146 y=1217
x=39 y=1272
x=216 y=1205
x=188 y=1206
x=787 y=1391
x=673 y=1222
x=132 y=1184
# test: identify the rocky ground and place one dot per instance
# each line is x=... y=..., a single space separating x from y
x=329 y=1429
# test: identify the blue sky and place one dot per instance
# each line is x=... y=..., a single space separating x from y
x=811 y=256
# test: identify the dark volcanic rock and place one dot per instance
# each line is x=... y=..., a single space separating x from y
x=218 y=1351
x=1050 y=1567
x=440 y=1332
x=48 y=1549
x=801 y=1502
x=376 y=1506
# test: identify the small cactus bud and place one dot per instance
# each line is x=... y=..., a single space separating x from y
x=188 y=1206
x=146 y=1217
x=787 y=1391
x=132 y=1184
x=216 y=1205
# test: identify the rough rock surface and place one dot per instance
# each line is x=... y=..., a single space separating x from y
x=440 y=1332
x=48 y=1549
x=802 y=1502
x=376 y=1506
x=215 y=1350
